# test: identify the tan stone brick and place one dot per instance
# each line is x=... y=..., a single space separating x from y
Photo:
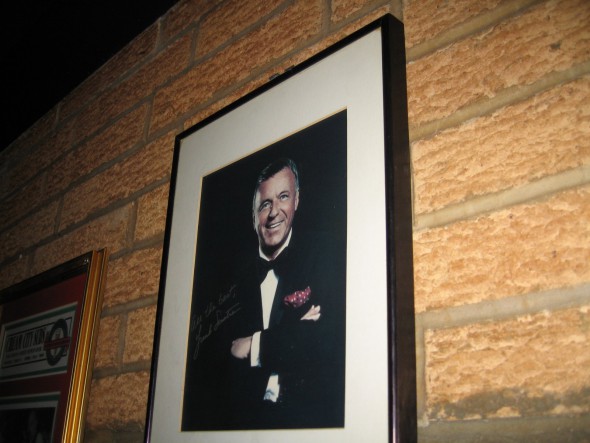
x=526 y=248
x=32 y=137
x=14 y=272
x=28 y=232
x=151 y=213
x=105 y=146
x=148 y=165
x=228 y=20
x=45 y=154
x=278 y=36
x=551 y=37
x=107 y=346
x=115 y=68
x=164 y=66
x=510 y=368
x=119 y=401
x=108 y=231
x=342 y=9
x=133 y=276
x=8 y=159
x=333 y=38
x=54 y=146
x=543 y=136
x=139 y=337
x=186 y=13
x=294 y=60
x=226 y=100
x=106 y=436
x=425 y=19
x=24 y=200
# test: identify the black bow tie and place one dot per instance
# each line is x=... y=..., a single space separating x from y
x=277 y=265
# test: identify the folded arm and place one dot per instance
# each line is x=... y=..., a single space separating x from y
x=242 y=347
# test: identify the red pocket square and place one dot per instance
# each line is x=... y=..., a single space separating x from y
x=297 y=298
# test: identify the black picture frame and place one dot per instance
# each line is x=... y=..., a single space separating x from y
x=362 y=80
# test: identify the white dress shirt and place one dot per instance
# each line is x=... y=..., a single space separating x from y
x=268 y=288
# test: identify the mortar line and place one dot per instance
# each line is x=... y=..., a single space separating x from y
x=420 y=369
x=512 y=429
x=502 y=99
x=486 y=204
x=473 y=26
x=506 y=308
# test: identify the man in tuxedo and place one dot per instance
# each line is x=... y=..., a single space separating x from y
x=287 y=340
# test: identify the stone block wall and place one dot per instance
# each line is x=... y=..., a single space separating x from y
x=499 y=114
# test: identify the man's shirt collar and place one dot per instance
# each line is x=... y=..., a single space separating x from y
x=281 y=249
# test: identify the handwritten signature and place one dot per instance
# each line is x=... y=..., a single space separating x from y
x=215 y=316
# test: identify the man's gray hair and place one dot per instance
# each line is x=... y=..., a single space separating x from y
x=276 y=166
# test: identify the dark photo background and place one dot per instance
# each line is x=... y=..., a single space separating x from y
x=227 y=242
x=27 y=425
x=226 y=234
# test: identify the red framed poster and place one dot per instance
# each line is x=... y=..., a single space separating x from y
x=47 y=334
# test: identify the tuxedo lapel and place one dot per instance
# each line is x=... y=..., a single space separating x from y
x=251 y=304
x=276 y=313
x=288 y=277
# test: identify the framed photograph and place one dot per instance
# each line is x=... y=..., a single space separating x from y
x=286 y=295
x=47 y=336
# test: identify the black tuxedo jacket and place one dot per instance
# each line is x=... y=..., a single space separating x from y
x=308 y=356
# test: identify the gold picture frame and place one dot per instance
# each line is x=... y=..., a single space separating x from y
x=48 y=331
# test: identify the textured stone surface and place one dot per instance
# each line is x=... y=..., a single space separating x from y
x=148 y=165
x=45 y=154
x=294 y=60
x=168 y=63
x=28 y=232
x=114 y=69
x=107 y=231
x=223 y=23
x=133 y=276
x=425 y=19
x=14 y=272
x=542 y=136
x=336 y=36
x=139 y=335
x=105 y=146
x=32 y=137
x=108 y=436
x=151 y=213
x=107 y=346
x=510 y=368
x=563 y=429
x=553 y=36
x=99 y=436
x=266 y=43
x=118 y=402
x=185 y=14
x=342 y=9
x=526 y=248
x=27 y=197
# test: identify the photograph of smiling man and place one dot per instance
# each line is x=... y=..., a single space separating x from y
x=266 y=345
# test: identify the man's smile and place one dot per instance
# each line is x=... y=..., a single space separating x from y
x=274 y=225
x=273 y=209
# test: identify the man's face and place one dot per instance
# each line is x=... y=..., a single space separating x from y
x=274 y=208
